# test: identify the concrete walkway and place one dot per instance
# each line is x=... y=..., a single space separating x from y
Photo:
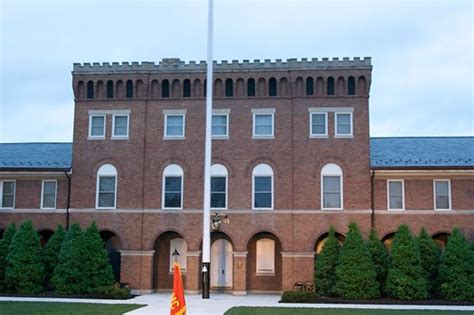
x=158 y=304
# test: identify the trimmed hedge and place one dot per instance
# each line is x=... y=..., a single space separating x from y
x=325 y=267
x=50 y=254
x=110 y=292
x=4 y=249
x=429 y=258
x=299 y=297
x=379 y=256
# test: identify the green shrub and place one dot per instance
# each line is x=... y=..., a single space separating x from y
x=25 y=269
x=4 y=248
x=405 y=278
x=429 y=257
x=298 y=297
x=50 y=254
x=325 y=266
x=379 y=256
x=355 y=273
x=110 y=292
x=456 y=272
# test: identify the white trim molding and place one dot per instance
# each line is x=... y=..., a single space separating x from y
x=330 y=109
x=298 y=254
x=137 y=252
x=240 y=254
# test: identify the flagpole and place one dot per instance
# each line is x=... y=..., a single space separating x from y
x=206 y=223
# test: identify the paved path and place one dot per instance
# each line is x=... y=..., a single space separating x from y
x=158 y=304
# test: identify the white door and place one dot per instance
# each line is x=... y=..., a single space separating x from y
x=221 y=263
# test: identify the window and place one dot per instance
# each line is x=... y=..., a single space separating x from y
x=262 y=187
x=120 y=126
x=8 y=188
x=48 y=194
x=330 y=87
x=129 y=89
x=97 y=126
x=173 y=187
x=174 y=124
x=265 y=256
x=395 y=193
x=90 y=89
x=186 y=88
x=309 y=86
x=351 y=86
x=229 y=87
x=442 y=194
x=110 y=89
x=318 y=124
x=220 y=124
x=218 y=186
x=272 y=87
x=331 y=183
x=179 y=245
x=251 y=87
x=343 y=124
x=106 y=187
x=263 y=123
x=165 y=88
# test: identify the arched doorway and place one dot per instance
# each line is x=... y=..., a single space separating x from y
x=441 y=240
x=45 y=235
x=113 y=245
x=222 y=267
x=167 y=244
x=387 y=240
x=318 y=247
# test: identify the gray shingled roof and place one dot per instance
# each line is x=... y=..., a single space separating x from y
x=35 y=156
x=422 y=152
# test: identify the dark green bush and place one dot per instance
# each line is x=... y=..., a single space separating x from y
x=429 y=257
x=4 y=248
x=405 y=279
x=456 y=272
x=298 y=297
x=325 y=266
x=50 y=254
x=379 y=256
x=355 y=272
x=25 y=269
x=110 y=292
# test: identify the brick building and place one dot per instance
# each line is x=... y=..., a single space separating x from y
x=292 y=155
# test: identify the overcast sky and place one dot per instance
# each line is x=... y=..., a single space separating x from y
x=422 y=55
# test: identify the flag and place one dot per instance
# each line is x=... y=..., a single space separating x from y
x=178 y=304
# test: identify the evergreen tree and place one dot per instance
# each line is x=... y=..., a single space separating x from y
x=405 y=278
x=379 y=256
x=456 y=272
x=325 y=266
x=50 y=253
x=429 y=257
x=4 y=247
x=25 y=269
x=355 y=273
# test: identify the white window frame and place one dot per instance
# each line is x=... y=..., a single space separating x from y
x=219 y=170
x=332 y=169
x=92 y=137
x=108 y=170
x=337 y=135
x=403 y=194
x=120 y=137
x=263 y=111
x=55 y=193
x=168 y=113
x=450 y=205
x=265 y=272
x=263 y=170
x=317 y=135
x=221 y=112
x=182 y=259
x=172 y=170
x=1 y=193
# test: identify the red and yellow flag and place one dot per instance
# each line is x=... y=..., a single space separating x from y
x=178 y=304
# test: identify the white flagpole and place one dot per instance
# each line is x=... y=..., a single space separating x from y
x=206 y=222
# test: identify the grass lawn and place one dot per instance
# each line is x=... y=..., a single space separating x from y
x=64 y=308
x=326 y=311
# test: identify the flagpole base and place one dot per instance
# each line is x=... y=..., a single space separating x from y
x=205 y=280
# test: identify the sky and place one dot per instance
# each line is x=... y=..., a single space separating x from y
x=422 y=53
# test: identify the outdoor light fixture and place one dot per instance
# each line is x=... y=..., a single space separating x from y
x=218 y=218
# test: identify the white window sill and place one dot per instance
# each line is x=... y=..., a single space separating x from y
x=172 y=208
x=443 y=210
x=331 y=209
x=262 y=209
x=95 y=138
x=119 y=138
x=265 y=274
x=220 y=137
x=173 y=138
x=5 y=208
x=105 y=208
x=344 y=136
x=218 y=209
x=263 y=137
x=396 y=210
x=318 y=136
x=48 y=208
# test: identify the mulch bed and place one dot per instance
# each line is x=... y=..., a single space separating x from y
x=324 y=300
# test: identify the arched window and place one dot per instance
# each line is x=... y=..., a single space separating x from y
x=173 y=187
x=110 y=89
x=265 y=256
x=309 y=86
x=351 y=89
x=165 y=88
x=106 y=187
x=262 y=187
x=330 y=87
x=229 y=88
x=272 y=87
x=129 y=89
x=251 y=87
x=218 y=186
x=186 y=88
x=179 y=245
x=90 y=89
x=331 y=187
